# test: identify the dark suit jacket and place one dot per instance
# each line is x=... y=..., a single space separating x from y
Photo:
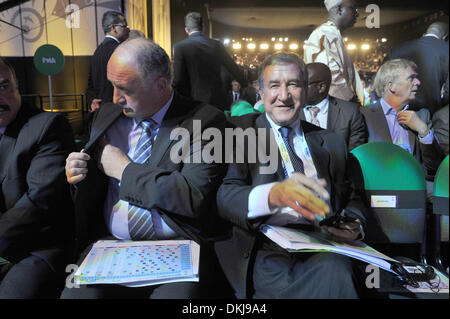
x=35 y=206
x=431 y=56
x=440 y=126
x=197 y=65
x=184 y=193
x=429 y=156
x=345 y=118
x=98 y=85
x=329 y=154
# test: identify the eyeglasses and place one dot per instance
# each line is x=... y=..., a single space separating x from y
x=123 y=25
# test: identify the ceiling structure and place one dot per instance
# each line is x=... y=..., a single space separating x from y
x=285 y=18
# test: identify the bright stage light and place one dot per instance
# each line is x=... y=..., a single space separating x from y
x=278 y=46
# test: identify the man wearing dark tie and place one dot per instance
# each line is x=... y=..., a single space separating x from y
x=131 y=186
x=310 y=181
x=331 y=113
x=36 y=212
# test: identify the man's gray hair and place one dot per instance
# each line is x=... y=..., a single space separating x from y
x=110 y=17
x=283 y=58
x=193 y=21
x=440 y=29
x=151 y=60
x=389 y=72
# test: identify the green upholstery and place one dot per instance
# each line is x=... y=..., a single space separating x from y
x=385 y=169
x=242 y=108
x=440 y=197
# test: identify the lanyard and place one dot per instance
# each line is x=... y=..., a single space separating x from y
x=287 y=163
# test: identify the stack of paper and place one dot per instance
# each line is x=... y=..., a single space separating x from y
x=140 y=263
x=302 y=241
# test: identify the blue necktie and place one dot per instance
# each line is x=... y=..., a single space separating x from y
x=140 y=222
x=296 y=161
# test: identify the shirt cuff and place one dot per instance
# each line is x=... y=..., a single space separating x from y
x=427 y=139
x=258 y=201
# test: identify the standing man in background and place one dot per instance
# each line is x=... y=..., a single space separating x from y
x=197 y=65
x=99 y=88
x=430 y=53
x=326 y=45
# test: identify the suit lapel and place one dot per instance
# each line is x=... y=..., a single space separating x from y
x=262 y=122
x=108 y=115
x=381 y=131
x=8 y=142
x=333 y=112
x=176 y=113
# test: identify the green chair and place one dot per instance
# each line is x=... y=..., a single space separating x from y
x=392 y=184
x=440 y=209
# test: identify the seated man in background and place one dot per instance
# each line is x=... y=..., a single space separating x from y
x=389 y=120
x=329 y=112
x=35 y=205
x=131 y=187
x=309 y=177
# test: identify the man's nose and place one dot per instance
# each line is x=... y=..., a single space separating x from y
x=283 y=94
x=118 y=97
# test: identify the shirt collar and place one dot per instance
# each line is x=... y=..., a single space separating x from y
x=2 y=130
x=322 y=105
x=110 y=36
x=431 y=35
x=295 y=125
x=159 y=116
x=389 y=109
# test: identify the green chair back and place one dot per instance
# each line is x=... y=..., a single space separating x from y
x=440 y=198
x=392 y=183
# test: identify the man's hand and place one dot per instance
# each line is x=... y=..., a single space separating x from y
x=76 y=167
x=410 y=119
x=298 y=190
x=345 y=231
x=95 y=104
x=111 y=160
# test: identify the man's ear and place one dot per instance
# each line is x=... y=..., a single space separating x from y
x=186 y=30
x=162 y=83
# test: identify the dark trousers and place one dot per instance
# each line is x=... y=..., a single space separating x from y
x=279 y=274
x=31 y=278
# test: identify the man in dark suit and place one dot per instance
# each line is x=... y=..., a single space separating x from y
x=310 y=179
x=35 y=205
x=197 y=65
x=331 y=113
x=440 y=127
x=99 y=89
x=235 y=94
x=430 y=53
x=128 y=180
x=389 y=120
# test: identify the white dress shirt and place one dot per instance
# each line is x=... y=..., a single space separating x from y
x=125 y=134
x=258 y=202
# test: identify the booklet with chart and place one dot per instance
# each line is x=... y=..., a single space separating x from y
x=302 y=241
x=140 y=263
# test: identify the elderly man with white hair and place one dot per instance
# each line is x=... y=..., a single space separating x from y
x=326 y=45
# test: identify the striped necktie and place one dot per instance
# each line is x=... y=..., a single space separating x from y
x=314 y=110
x=140 y=223
x=297 y=163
